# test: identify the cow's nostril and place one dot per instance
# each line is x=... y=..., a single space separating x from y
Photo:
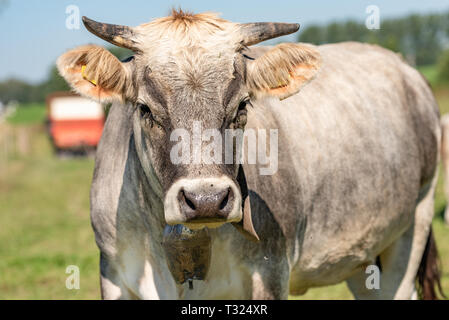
x=225 y=200
x=188 y=202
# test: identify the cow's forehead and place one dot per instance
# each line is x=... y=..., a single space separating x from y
x=195 y=73
x=189 y=43
x=196 y=79
x=204 y=57
x=189 y=72
x=202 y=30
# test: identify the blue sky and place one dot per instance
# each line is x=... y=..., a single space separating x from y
x=33 y=33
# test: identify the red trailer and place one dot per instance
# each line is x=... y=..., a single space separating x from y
x=75 y=123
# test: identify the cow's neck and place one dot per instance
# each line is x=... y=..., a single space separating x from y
x=149 y=195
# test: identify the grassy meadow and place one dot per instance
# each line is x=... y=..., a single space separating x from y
x=44 y=215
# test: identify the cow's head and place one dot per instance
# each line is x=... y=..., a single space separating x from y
x=189 y=70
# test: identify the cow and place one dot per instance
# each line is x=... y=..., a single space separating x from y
x=358 y=145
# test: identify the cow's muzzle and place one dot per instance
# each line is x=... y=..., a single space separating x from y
x=202 y=202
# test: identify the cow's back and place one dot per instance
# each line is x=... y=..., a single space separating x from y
x=356 y=147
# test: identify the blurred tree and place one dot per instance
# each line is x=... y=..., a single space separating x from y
x=443 y=67
x=335 y=32
x=355 y=30
x=420 y=38
x=313 y=34
x=15 y=90
x=446 y=19
x=54 y=83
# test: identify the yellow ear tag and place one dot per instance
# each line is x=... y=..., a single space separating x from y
x=283 y=84
x=83 y=69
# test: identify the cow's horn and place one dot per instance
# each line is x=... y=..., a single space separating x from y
x=121 y=36
x=260 y=31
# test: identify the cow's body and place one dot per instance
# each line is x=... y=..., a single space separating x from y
x=358 y=150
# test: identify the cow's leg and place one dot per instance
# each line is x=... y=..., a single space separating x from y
x=357 y=286
x=418 y=237
x=269 y=285
x=394 y=263
x=112 y=287
x=271 y=272
x=132 y=276
x=400 y=261
x=446 y=214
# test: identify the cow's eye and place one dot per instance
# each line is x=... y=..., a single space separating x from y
x=145 y=113
x=144 y=109
x=242 y=105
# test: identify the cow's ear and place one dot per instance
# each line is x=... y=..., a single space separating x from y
x=283 y=70
x=94 y=72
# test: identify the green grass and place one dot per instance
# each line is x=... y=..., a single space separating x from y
x=45 y=225
x=32 y=113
